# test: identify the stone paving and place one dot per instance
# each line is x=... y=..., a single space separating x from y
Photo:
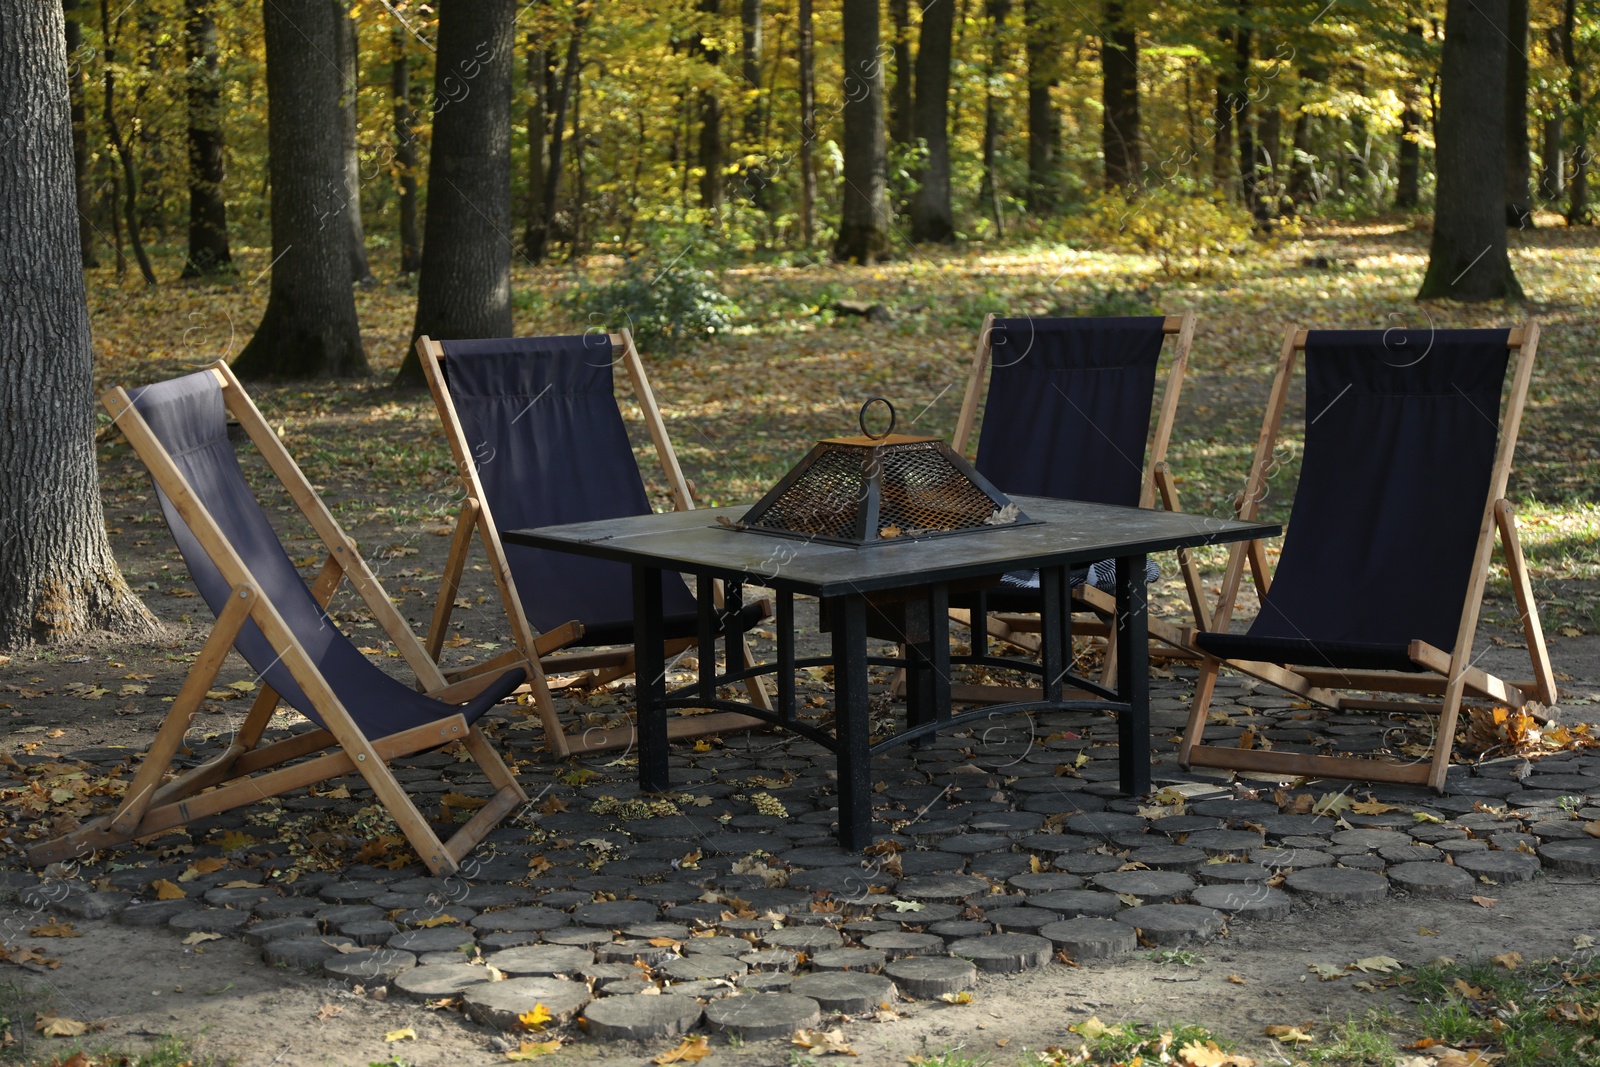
x=728 y=905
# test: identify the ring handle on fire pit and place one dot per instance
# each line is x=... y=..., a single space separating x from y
x=861 y=420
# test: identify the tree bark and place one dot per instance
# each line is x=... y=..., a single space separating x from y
x=1243 y=121
x=932 y=218
x=76 y=59
x=712 y=156
x=1578 y=213
x=309 y=328
x=208 y=210
x=540 y=75
x=902 y=108
x=1407 y=193
x=464 y=289
x=864 y=209
x=989 y=185
x=60 y=579
x=1269 y=135
x=752 y=150
x=1552 y=173
x=1119 y=95
x=1467 y=259
x=1519 y=167
x=130 y=174
x=1222 y=130
x=348 y=54
x=1044 y=123
x=405 y=150
x=1302 y=185
x=804 y=46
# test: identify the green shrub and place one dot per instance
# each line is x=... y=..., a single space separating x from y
x=665 y=305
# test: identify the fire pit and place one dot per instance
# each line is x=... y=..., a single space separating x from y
x=878 y=489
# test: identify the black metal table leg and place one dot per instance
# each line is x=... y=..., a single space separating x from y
x=650 y=673
x=1055 y=642
x=732 y=626
x=785 y=627
x=921 y=685
x=707 y=634
x=939 y=650
x=1133 y=675
x=851 y=721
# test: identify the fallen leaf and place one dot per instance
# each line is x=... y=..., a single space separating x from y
x=405 y=1033
x=1380 y=964
x=1092 y=1028
x=59 y=1026
x=535 y=1018
x=1327 y=972
x=54 y=930
x=437 y=920
x=1332 y=804
x=823 y=1042
x=199 y=936
x=1423 y=816
x=1468 y=990
x=328 y=1011
x=1423 y=931
x=1485 y=902
x=1371 y=807
x=530 y=1050
x=1509 y=960
x=1236 y=979
x=1292 y=1034
x=166 y=890
x=1583 y=941
x=956 y=998
x=691 y=1050
x=1194 y=1054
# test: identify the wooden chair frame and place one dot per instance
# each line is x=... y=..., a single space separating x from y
x=587 y=668
x=1020 y=629
x=1449 y=675
x=150 y=806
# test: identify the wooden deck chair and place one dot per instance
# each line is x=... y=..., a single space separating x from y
x=538 y=439
x=1381 y=577
x=280 y=626
x=1067 y=415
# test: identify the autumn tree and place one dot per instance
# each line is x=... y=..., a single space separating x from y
x=864 y=213
x=1467 y=259
x=309 y=328
x=464 y=289
x=1119 y=124
x=60 y=579
x=932 y=218
x=208 y=211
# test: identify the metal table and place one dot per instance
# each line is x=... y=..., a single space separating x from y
x=851 y=582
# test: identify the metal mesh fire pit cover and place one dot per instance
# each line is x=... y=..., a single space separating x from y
x=877 y=489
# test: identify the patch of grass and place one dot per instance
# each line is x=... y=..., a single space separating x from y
x=1178 y=957
x=948 y=1057
x=172 y=1051
x=1126 y=1043
x=1363 y=1042
x=1543 y=1012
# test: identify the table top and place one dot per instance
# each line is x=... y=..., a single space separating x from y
x=1063 y=533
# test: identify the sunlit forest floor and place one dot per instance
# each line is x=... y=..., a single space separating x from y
x=743 y=407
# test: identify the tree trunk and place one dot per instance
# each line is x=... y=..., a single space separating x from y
x=208 y=210
x=1552 y=174
x=1243 y=122
x=753 y=150
x=405 y=151
x=1269 y=134
x=712 y=157
x=60 y=577
x=1407 y=194
x=1578 y=213
x=804 y=46
x=1519 y=167
x=1119 y=93
x=1302 y=184
x=348 y=54
x=932 y=218
x=989 y=187
x=1467 y=259
x=309 y=328
x=1044 y=124
x=864 y=208
x=76 y=58
x=902 y=109
x=1222 y=131
x=130 y=175
x=464 y=289
x=558 y=122
x=539 y=79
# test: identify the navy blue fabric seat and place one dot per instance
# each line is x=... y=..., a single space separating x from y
x=542 y=426
x=188 y=418
x=1396 y=466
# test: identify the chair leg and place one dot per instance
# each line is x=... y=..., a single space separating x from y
x=1204 y=686
x=1517 y=568
x=450 y=583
